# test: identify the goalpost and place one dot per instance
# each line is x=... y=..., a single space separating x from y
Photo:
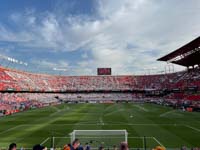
x=96 y=138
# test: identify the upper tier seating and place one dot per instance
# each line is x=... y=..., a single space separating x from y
x=24 y=81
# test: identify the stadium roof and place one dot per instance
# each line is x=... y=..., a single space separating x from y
x=187 y=55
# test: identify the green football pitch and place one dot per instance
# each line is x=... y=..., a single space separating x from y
x=160 y=125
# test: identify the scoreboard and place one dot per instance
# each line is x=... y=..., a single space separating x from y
x=103 y=71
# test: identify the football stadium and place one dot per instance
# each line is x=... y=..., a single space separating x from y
x=102 y=110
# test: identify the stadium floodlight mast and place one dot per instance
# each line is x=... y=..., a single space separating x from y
x=2 y=58
x=12 y=60
x=15 y=61
x=169 y=68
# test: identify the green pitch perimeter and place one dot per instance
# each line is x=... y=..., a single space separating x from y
x=161 y=125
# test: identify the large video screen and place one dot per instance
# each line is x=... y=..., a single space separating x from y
x=104 y=71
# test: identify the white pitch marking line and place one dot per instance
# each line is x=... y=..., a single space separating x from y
x=45 y=141
x=101 y=121
x=141 y=108
x=166 y=113
x=143 y=143
x=158 y=142
x=139 y=137
x=198 y=130
x=10 y=129
x=132 y=137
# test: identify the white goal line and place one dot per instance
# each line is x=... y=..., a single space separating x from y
x=131 y=137
x=104 y=137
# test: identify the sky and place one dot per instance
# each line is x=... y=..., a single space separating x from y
x=82 y=35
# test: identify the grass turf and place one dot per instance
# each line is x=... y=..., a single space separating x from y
x=161 y=125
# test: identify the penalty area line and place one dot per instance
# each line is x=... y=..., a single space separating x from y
x=10 y=129
x=193 y=128
x=44 y=141
x=158 y=142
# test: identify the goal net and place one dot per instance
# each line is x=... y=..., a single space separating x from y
x=96 y=138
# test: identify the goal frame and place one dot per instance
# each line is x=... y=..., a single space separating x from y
x=73 y=134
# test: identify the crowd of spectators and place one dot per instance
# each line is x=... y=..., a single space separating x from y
x=24 y=81
x=94 y=88
x=76 y=145
x=15 y=102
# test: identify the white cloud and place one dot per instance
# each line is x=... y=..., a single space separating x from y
x=149 y=25
x=50 y=64
x=152 y=28
x=84 y=55
x=7 y=35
